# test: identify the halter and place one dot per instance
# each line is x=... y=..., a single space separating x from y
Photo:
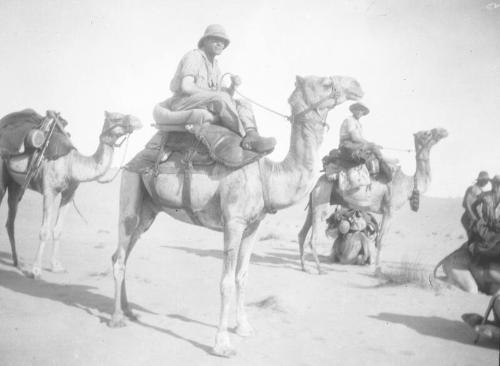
x=335 y=94
x=102 y=136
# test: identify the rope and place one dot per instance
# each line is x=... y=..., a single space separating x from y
x=104 y=181
x=262 y=106
x=396 y=149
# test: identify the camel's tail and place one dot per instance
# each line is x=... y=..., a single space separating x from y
x=433 y=277
x=78 y=211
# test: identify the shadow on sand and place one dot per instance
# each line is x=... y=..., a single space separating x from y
x=434 y=326
x=82 y=297
x=276 y=258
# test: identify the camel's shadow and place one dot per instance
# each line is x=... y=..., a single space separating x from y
x=434 y=326
x=275 y=258
x=82 y=297
x=73 y=295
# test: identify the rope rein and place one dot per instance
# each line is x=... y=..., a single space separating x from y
x=125 y=140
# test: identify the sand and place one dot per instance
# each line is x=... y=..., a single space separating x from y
x=346 y=317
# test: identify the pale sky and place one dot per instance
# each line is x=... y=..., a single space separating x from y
x=422 y=64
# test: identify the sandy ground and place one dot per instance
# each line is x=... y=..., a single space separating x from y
x=346 y=317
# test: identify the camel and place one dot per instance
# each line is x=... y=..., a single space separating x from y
x=57 y=180
x=467 y=274
x=233 y=201
x=379 y=198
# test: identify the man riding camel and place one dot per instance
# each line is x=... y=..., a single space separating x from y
x=471 y=194
x=485 y=235
x=197 y=85
x=354 y=147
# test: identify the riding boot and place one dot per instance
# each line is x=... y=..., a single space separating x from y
x=254 y=142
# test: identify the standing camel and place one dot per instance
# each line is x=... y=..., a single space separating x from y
x=57 y=180
x=233 y=201
x=379 y=198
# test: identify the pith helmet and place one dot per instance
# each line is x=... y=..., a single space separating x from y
x=483 y=175
x=359 y=106
x=214 y=30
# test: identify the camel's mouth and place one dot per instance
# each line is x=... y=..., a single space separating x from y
x=439 y=133
x=355 y=95
x=134 y=123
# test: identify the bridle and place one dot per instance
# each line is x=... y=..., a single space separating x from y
x=104 y=134
x=335 y=94
x=125 y=138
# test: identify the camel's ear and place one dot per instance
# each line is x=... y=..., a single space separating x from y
x=106 y=114
x=299 y=80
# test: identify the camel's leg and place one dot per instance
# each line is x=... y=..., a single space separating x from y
x=313 y=243
x=51 y=203
x=13 y=202
x=384 y=226
x=303 y=233
x=233 y=233
x=460 y=271
x=318 y=214
x=243 y=326
x=56 y=265
x=136 y=216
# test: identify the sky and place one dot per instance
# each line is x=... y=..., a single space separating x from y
x=422 y=64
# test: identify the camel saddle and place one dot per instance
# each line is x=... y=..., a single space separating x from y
x=15 y=129
x=207 y=145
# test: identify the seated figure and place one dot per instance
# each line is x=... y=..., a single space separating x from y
x=199 y=97
x=355 y=148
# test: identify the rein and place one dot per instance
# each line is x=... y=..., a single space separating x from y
x=293 y=117
x=115 y=144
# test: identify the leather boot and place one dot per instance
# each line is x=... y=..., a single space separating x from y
x=254 y=142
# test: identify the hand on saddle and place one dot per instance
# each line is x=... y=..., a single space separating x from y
x=235 y=81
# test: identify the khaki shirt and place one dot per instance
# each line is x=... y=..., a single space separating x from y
x=196 y=64
x=349 y=125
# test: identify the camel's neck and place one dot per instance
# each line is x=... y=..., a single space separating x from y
x=292 y=179
x=88 y=168
x=422 y=176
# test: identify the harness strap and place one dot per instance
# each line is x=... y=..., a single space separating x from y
x=268 y=207
x=186 y=188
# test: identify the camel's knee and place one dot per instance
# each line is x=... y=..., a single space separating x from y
x=227 y=286
x=45 y=233
x=118 y=268
x=56 y=233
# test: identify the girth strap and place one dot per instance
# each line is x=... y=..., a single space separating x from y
x=186 y=188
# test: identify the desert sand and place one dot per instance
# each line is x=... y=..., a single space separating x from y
x=346 y=317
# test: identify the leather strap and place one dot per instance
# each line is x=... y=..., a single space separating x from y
x=186 y=188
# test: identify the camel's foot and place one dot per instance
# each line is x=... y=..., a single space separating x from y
x=322 y=271
x=223 y=346
x=57 y=267
x=131 y=315
x=378 y=271
x=244 y=329
x=117 y=321
x=36 y=272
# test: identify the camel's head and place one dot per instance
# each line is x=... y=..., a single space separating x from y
x=325 y=93
x=425 y=140
x=314 y=94
x=429 y=138
x=117 y=125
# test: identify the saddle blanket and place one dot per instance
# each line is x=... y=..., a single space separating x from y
x=14 y=128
